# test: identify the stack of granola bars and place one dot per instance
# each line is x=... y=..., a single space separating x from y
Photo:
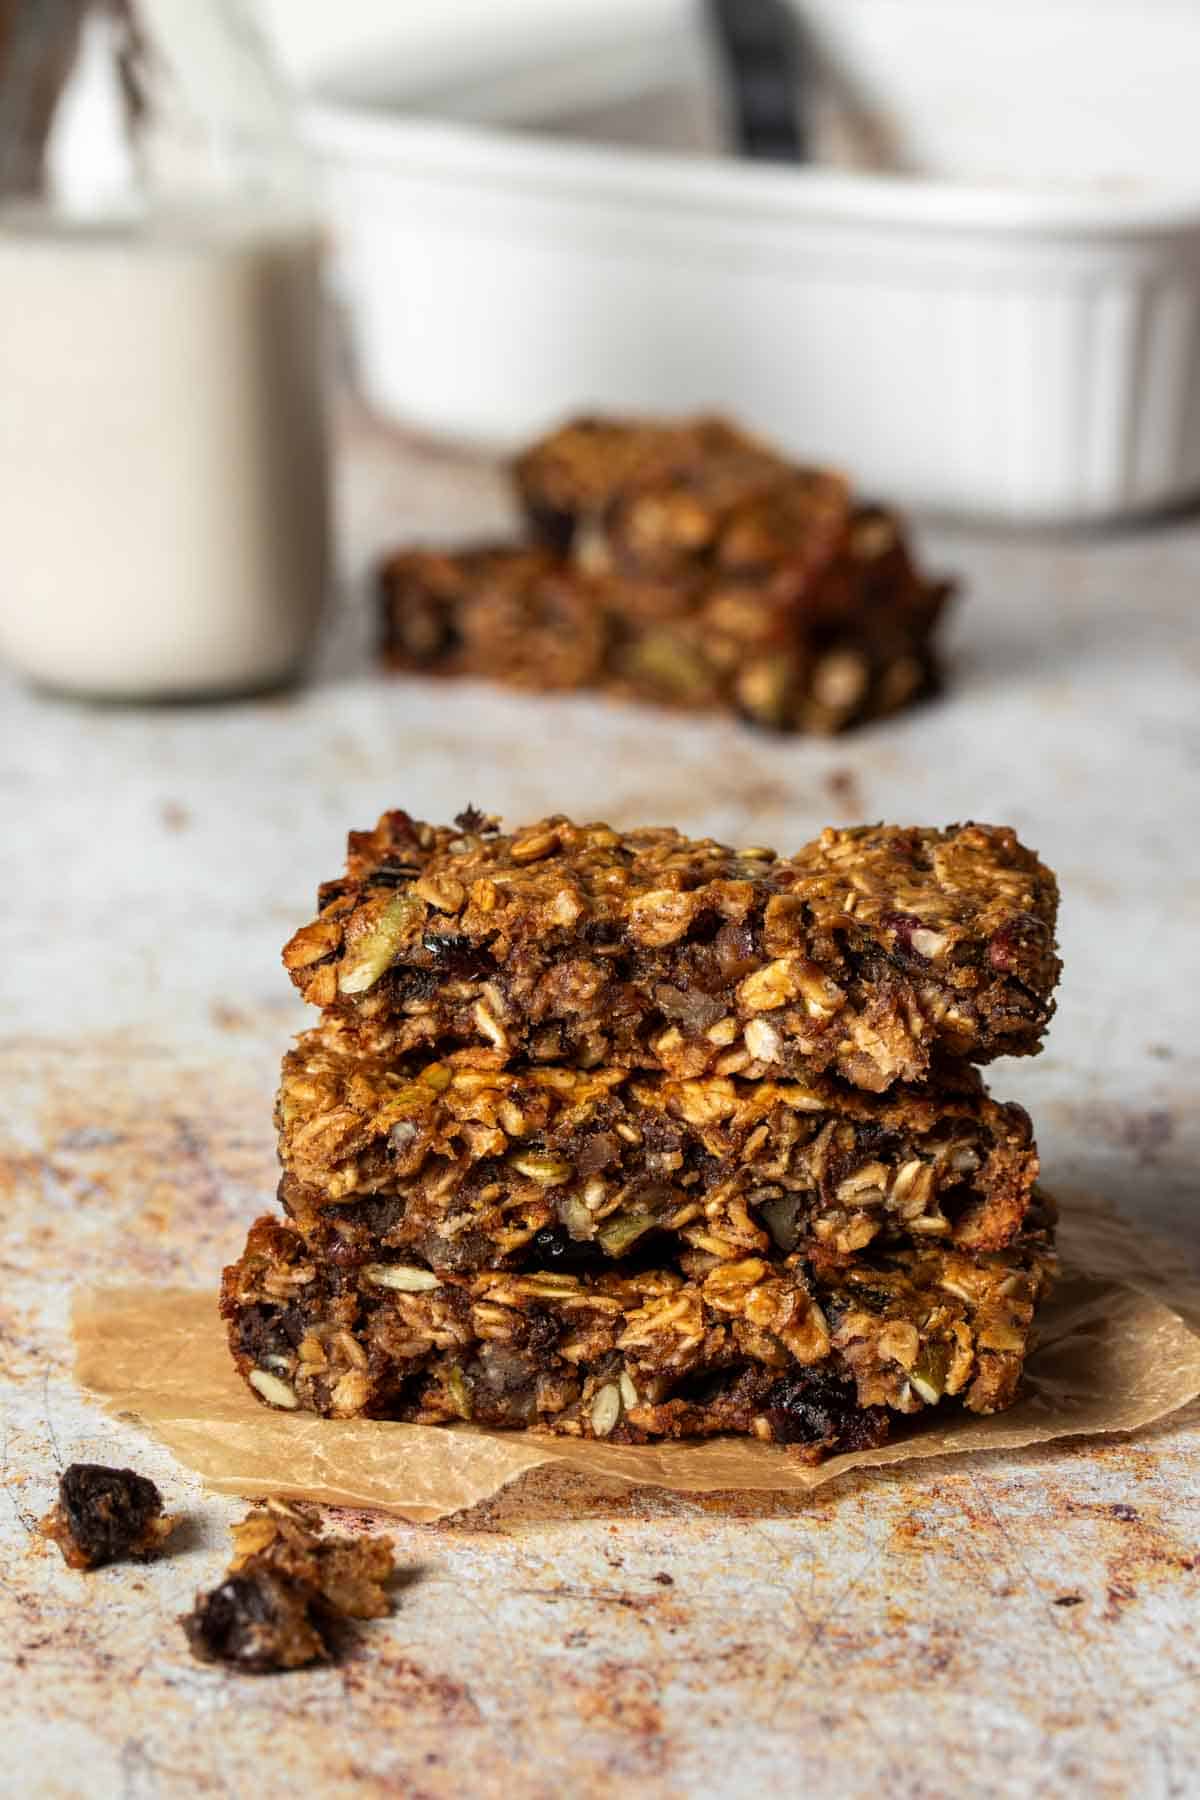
x=685 y=564
x=633 y=1136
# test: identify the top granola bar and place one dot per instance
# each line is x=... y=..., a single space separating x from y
x=632 y=496
x=872 y=951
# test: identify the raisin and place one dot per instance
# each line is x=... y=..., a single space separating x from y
x=542 y=1333
x=105 y=1515
x=270 y=1330
x=457 y=958
x=812 y=1409
x=553 y=1247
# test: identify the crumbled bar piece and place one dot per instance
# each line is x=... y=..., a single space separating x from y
x=817 y=645
x=464 y=1167
x=286 y=1590
x=259 y=1622
x=870 y=952
x=106 y=1515
x=795 y=1349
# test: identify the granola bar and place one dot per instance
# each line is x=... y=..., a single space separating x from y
x=791 y=1350
x=870 y=952
x=465 y=1167
x=811 y=642
x=684 y=564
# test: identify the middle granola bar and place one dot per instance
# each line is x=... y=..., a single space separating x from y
x=871 y=952
x=471 y=1168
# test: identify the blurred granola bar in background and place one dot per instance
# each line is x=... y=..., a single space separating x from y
x=684 y=565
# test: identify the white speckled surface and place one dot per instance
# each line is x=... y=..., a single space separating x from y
x=902 y=1632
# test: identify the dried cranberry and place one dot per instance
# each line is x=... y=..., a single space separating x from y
x=902 y=924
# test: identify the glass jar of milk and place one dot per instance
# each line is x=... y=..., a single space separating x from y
x=163 y=503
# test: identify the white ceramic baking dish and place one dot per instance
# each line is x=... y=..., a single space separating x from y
x=1024 y=351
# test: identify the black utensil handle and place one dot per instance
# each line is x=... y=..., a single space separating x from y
x=760 y=46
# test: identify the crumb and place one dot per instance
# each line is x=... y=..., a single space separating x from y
x=106 y=1515
x=174 y=816
x=663 y=1579
x=226 y=1017
x=1068 y=1600
x=845 y=793
x=287 y=1589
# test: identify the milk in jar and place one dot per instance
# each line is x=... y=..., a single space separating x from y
x=163 y=522
x=163 y=511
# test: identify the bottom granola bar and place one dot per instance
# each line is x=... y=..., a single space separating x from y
x=796 y=1350
x=814 y=656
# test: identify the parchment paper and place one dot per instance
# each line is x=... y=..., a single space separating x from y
x=1119 y=1348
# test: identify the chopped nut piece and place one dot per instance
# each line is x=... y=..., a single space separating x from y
x=274 y=1391
x=840 y=680
x=106 y=1515
x=402 y=1279
x=763 y=1041
x=928 y=943
x=373 y=950
x=534 y=844
x=771 y=986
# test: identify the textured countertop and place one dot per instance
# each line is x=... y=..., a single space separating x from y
x=1001 y=1625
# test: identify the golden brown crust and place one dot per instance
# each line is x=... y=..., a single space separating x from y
x=870 y=952
x=704 y=1345
x=465 y=1167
